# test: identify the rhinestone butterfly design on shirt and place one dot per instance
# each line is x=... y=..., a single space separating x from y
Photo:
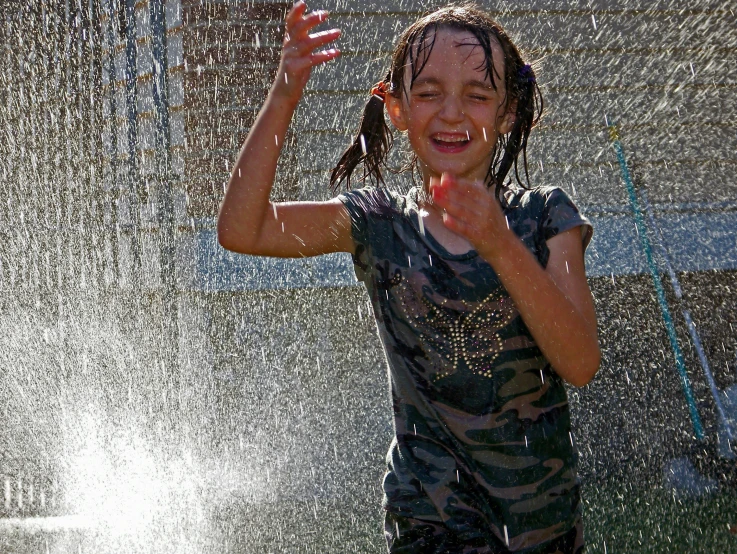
x=455 y=330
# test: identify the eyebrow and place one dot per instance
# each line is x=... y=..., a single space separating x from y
x=434 y=81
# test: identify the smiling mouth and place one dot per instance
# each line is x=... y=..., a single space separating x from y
x=450 y=143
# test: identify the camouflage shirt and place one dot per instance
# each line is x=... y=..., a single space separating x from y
x=482 y=427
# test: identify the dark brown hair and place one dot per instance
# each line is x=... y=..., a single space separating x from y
x=374 y=138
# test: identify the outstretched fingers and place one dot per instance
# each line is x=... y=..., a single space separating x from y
x=300 y=27
x=324 y=56
x=299 y=53
x=299 y=46
x=315 y=41
x=295 y=14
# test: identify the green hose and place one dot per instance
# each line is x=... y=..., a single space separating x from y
x=665 y=312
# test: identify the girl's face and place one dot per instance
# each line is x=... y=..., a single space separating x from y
x=453 y=115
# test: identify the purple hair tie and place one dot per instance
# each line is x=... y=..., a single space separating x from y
x=526 y=74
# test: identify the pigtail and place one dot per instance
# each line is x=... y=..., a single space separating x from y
x=371 y=145
x=521 y=81
x=530 y=107
x=529 y=110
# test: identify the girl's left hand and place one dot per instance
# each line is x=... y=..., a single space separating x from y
x=471 y=211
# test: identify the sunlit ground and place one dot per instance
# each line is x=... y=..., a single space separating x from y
x=128 y=493
x=616 y=521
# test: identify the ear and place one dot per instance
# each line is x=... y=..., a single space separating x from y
x=395 y=112
x=508 y=120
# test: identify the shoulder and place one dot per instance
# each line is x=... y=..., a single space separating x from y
x=527 y=204
x=542 y=202
x=537 y=196
x=554 y=197
x=373 y=201
x=547 y=210
x=558 y=213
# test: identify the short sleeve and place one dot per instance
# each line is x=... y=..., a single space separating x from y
x=560 y=214
x=358 y=202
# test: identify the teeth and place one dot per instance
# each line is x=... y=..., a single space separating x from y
x=452 y=139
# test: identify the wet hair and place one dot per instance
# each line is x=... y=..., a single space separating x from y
x=374 y=139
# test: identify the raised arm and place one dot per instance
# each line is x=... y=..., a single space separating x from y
x=248 y=222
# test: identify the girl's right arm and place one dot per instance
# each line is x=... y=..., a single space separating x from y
x=248 y=222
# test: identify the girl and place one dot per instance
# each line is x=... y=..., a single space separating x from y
x=478 y=285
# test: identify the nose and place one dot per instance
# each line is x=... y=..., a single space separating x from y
x=451 y=111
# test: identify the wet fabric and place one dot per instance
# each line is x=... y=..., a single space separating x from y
x=410 y=536
x=482 y=446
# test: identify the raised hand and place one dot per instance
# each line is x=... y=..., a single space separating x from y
x=470 y=210
x=298 y=55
